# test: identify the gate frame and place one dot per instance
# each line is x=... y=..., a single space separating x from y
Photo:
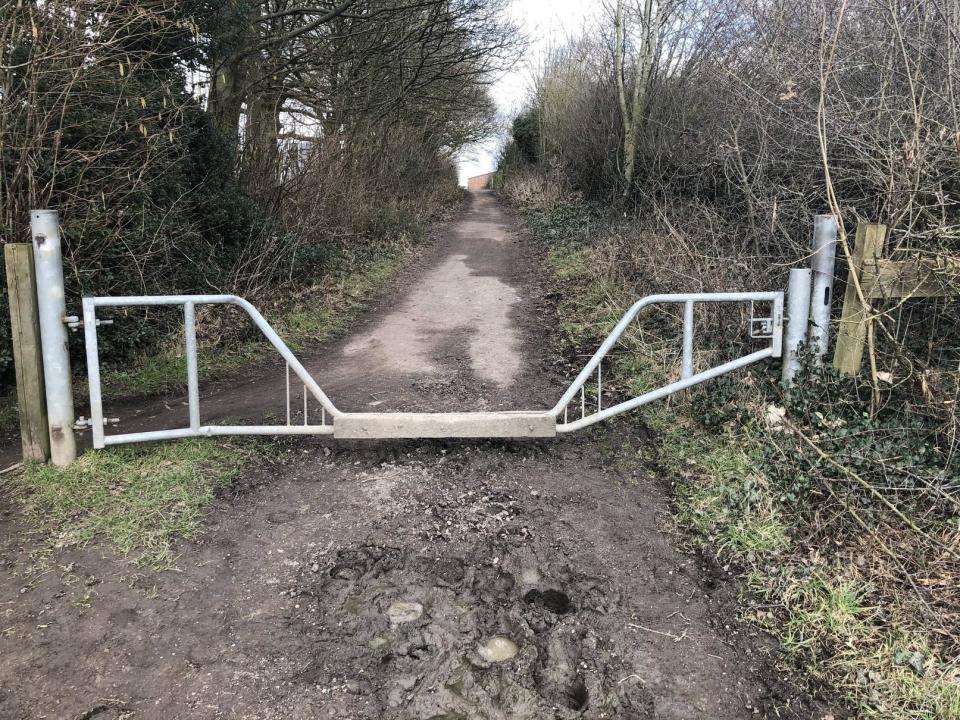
x=525 y=423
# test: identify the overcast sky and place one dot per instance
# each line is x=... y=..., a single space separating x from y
x=545 y=22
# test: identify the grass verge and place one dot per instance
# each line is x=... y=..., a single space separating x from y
x=137 y=500
x=842 y=525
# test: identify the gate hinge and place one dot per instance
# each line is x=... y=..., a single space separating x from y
x=83 y=423
x=74 y=323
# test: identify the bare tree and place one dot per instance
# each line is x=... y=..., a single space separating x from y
x=647 y=20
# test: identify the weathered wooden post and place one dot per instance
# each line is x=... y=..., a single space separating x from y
x=27 y=357
x=855 y=317
x=51 y=301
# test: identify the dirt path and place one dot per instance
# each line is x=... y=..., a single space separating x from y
x=383 y=580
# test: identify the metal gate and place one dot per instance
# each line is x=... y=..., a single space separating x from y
x=339 y=424
x=561 y=418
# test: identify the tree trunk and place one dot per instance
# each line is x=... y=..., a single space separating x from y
x=261 y=153
x=226 y=96
x=631 y=113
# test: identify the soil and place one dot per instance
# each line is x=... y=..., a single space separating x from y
x=426 y=580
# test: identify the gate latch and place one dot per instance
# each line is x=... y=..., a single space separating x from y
x=761 y=328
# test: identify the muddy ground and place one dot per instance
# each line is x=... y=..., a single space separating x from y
x=420 y=580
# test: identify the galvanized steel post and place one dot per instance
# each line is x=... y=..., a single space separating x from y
x=798 y=316
x=824 y=246
x=51 y=300
x=687 y=361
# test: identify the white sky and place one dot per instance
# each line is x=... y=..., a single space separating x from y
x=545 y=23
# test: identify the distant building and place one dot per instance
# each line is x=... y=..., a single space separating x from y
x=480 y=182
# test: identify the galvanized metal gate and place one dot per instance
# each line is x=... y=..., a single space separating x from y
x=576 y=409
x=339 y=424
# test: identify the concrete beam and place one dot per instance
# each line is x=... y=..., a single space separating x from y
x=444 y=425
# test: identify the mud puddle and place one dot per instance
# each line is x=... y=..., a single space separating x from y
x=503 y=628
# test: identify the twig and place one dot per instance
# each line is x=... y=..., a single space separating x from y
x=675 y=638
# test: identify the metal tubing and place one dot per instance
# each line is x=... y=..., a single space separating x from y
x=196 y=430
x=824 y=246
x=776 y=343
x=599 y=389
x=773 y=296
x=667 y=390
x=193 y=374
x=93 y=371
x=51 y=301
x=687 y=363
x=288 y=393
x=798 y=316
x=258 y=320
x=216 y=431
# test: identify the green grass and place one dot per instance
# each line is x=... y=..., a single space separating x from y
x=568 y=260
x=830 y=625
x=137 y=500
x=324 y=313
x=721 y=497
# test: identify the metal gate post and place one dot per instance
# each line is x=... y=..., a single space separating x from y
x=798 y=316
x=824 y=246
x=51 y=300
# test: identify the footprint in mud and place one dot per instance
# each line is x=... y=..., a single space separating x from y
x=354 y=563
x=550 y=599
x=459 y=637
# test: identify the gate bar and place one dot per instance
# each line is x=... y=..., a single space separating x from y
x=93 y=371
x=775 y=297
x=193 y=374
x=667 y=390
x=189 y=302
x=517 y=424
x=216 y=431
x=258 y=320
x=687 y=364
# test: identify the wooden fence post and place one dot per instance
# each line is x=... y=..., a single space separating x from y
x=854 y=318
x=28 y=360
